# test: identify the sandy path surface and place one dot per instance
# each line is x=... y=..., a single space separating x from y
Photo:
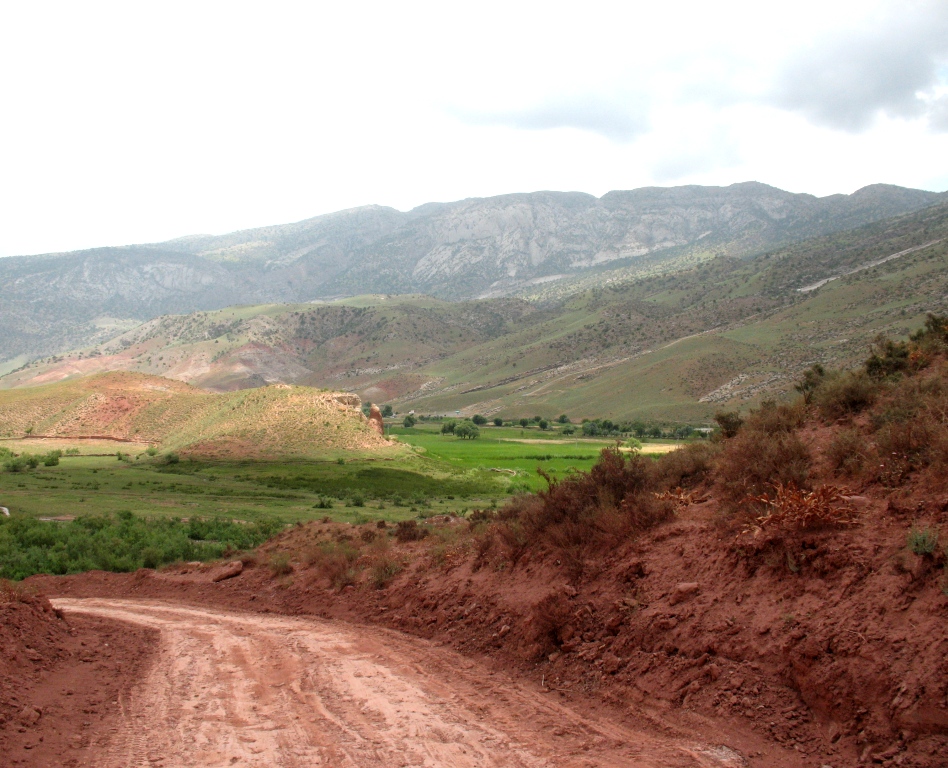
x=240 y=689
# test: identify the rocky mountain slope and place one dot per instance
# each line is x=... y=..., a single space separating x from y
x=676 y=346
x=477 y=247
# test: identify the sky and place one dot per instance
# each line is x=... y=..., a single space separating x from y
x=140 y=122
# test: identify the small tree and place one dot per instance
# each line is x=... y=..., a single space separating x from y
x=524 y=422
x=409 y=421
x=498 y=422
x=479 y=420
x=467 y=430
x=812 y=378
x=590 y=428
x=387 y=411
x=563 y=419
x=729 y=421
x=448 y=427
x=568 y=430
x=544 y=424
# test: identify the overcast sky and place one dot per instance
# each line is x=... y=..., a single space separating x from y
x=137 y=122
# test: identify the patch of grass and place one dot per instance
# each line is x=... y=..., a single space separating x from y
x=280 y=564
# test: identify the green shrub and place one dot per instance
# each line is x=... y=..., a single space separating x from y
x=123 y=542
x=888 y=358
x=922 y=541
x=16 y=464
x=51 y=459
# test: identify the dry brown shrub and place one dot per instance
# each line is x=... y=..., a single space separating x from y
x=771 y=418
x=686 y=467
x=844 y=394
x=548 y=619
x=586 y=515
x=850 y=452
x=682 y=498
x=334 y=561
x=911 y=427
x=409 y=530
x=792 y=509
x=753 y=462
x=15 y=592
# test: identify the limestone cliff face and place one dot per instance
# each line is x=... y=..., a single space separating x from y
x=465 y=249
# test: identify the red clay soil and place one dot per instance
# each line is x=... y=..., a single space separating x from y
x=61 y=680
x=825 y=648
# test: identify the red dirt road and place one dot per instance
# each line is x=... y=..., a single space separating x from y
x=241 y=689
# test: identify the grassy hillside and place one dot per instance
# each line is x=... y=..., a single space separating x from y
x=667 y=347
x=267 y=422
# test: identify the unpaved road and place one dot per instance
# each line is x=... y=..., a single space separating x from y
x=241 y=689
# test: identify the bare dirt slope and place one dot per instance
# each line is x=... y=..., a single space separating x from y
x=228 y=688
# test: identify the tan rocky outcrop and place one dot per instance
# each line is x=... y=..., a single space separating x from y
x=375 y=420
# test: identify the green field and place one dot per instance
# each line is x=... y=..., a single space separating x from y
x=103 y=511
x=442 y=474
x=514 y=452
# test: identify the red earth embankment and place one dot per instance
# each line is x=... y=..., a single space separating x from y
x=829 y=647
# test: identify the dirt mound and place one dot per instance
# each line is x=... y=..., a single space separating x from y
x=60 y=680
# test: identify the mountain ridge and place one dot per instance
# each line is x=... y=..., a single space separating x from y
x=460 y=250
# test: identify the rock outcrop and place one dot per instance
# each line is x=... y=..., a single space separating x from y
x=375 y=420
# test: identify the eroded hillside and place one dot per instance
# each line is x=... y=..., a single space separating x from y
x=275 y=421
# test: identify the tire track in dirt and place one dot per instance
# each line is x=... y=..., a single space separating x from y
x=241 y=689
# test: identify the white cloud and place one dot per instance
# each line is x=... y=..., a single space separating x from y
x=125 y=122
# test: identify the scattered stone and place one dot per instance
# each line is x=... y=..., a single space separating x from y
x=30 y=715
x=683 y=591
x=228 y=571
